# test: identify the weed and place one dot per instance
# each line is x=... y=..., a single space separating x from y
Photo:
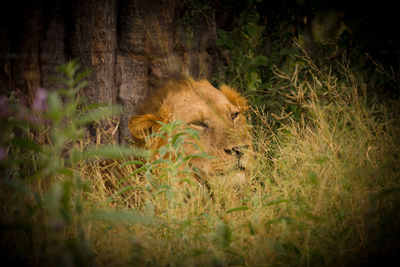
x=39 y=181
x=167 y=169
x=324 y=191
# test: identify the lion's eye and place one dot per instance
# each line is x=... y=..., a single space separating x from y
x=199 y=124
x=234 y=115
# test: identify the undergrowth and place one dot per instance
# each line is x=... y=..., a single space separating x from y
x=325 y=191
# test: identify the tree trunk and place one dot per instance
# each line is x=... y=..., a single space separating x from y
x=124 y=43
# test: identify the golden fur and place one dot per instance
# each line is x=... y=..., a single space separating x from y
x=216 y=114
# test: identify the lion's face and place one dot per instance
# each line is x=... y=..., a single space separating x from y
x=218 y=117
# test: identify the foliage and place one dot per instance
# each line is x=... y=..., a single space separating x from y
x=196 y=13
x=324 y=186
x=244 y=45
x=39 y=146
x=269 y=38
x=167 y=168
x=254 y=52
x=325 y=191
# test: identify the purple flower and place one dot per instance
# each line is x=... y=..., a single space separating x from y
x=5 y=110
x=33 y=118
x=3 y=153
x=40 y=102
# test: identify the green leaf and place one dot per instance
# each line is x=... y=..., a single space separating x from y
x=175 y=138
x=167 y=161
x=80 y=86
x=107 y=152
x=158 y=134
x=75 y=155
x=259 y=61
x=280 y=219
x=393 y=190
x=120 y=217
x=198 y=155
x=238 y=209
x=26 y=143
x=96 y=105
x=225 y=233
x=224 y=39
x=132 y=162
x=276 y=202
x=66 y=201
x=143 y=168
x=195 y=146
x=82 y=75
x=197 y=171
x=121 y=191
x=66 y=171
x=187 y=180
x=312 y=177
x=53 y=198
x=98 y=114
x=111 y=152
x=24 y=125
x=55 y=107
x=162 y=151
x=252 y=30
x=69 y=69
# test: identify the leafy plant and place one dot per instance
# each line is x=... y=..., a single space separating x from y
x=167 y=167
x=244 y=45
x=325 y=190
x=264 y=45
x=40 y=153
x=251 y=68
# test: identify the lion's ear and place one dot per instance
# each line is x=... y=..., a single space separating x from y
x=141 y=126
x=234 y=97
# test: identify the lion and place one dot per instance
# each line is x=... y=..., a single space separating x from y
x=217 y=115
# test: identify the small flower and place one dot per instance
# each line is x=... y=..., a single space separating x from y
x=57 y=225
x=3 y=153
x=21 y=112
x=33 y=118
x=40 y=102
x=5 y=110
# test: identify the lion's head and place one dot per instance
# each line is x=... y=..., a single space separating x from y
x=218 y=115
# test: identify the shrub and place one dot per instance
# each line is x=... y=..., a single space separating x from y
x=325 y=191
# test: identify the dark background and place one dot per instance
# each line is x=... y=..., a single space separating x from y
x=127 y=43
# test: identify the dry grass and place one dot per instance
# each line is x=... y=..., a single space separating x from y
x=314 y=200
x=325 y=193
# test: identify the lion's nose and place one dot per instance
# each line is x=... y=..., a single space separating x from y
x=237 y=150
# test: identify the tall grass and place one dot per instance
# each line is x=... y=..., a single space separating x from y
x=325 y=192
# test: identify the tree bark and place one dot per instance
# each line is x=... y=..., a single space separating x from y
x=124 y=43
x=145 y=35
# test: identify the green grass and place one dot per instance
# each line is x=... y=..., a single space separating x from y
x=325 y=192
